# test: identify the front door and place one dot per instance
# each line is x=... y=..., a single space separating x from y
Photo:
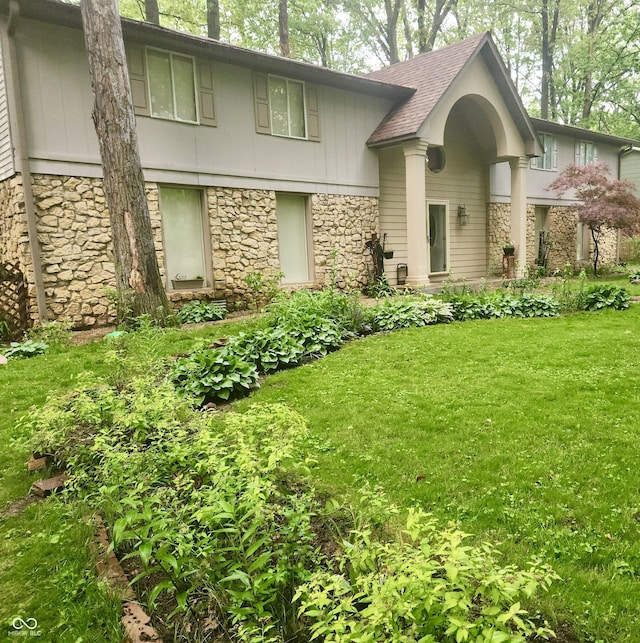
x=437 y=232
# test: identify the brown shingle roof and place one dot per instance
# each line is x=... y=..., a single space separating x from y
x=431 y=74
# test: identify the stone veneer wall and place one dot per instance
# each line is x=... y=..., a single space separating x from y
x=343 y=224
x=14 y=235
x=562 y=222
x=77 y=257
x=244 y=237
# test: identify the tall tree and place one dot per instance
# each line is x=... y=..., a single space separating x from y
x=138 y=279
x=213 y=19
x=151 y=11
x=283 y=28
x=550 y=15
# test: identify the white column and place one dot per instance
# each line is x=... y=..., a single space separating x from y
x=417 y=244
x=519 y=210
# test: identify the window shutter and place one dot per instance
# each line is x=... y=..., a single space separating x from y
x=138 y=80
x=261 y=103
x=313 y=114
x=554 y=154
x=205 y=93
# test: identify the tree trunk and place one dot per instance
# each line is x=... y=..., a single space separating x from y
x=138 y=279
x=549 y=35
x=151 y=11
x=392 y=8
x=283 y=29
x=213 y=19
x=422 y=31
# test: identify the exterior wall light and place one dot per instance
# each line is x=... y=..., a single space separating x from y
x=463 y=217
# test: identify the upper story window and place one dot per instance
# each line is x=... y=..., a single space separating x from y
x=285 y=107
x=549 y=159
x=286 y=102
x=171 y=86
x=586 y=153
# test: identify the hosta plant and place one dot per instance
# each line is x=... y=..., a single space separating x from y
x=214 y=375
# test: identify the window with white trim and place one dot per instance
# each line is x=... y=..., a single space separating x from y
x=295 y=246
x=285 y=107
x=286 y=101
x=172 y=86
x=586 y=152
x=183 y=232
x=549 y=158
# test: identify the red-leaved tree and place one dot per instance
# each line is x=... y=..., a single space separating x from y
x=602 y=203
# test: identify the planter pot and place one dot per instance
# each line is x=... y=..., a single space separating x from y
x=388 y=254
x=187 y=284
x=508 y=252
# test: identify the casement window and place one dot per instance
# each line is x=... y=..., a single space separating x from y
x=583 y=242
x=586 y=153
x=285 y=107
x=171 y=86
x=295 y=246
x=549 y=159
x=183 y=232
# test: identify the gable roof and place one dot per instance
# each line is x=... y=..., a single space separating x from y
x=65 y=14
x=432 y=74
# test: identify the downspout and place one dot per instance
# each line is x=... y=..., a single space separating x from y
x=22 y=158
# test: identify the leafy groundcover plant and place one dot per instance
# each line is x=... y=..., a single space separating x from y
x=195 y=312
x=212 y=512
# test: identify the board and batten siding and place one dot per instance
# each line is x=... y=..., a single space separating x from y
x=7 y=166
x=62 y=139
x=630 y=168
x=463 y=181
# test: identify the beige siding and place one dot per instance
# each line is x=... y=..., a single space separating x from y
x=630 y=168
x=393 y=207
x=62 y=139
x=7 y=168
x=462 y=182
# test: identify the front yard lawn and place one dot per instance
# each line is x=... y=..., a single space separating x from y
x=522 y=432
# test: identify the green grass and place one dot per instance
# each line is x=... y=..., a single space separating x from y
x=46 y=571
x=523 y=432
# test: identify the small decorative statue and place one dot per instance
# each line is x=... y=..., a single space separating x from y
x=377 y=254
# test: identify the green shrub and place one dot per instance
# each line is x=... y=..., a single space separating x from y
x=270 y=349
x=606 y=296
x=489 y=306
x=195 y=312
x=407 y=312
x=28 y=348
x=202 y=503
x=317 y=335
x=343 y=309
x=378 y=288
x=428 y=586
x=213 y=375
x=55 y=333
x=634 y=277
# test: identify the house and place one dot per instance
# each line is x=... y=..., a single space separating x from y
x=569 y=240
x=258 y=163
